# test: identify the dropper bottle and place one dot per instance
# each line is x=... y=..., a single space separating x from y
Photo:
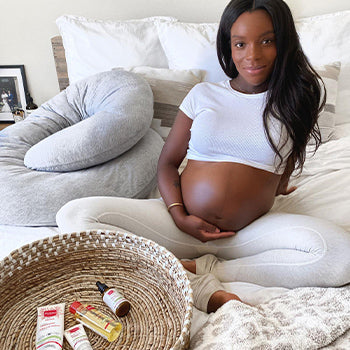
x=113 y=299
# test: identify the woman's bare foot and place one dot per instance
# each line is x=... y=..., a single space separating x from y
x=219 y=298
x=189 y=265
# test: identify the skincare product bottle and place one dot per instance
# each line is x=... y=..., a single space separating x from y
x=96 y=320
x=49 y=331
x=77 y=338
x=114 y=300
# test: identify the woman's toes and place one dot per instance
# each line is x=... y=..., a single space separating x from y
x=219 y=298
x=189 y=265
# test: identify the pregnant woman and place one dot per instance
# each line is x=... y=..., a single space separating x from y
x=243 y=137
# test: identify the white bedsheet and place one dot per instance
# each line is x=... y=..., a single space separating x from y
x=14 y=237
x=324 y=185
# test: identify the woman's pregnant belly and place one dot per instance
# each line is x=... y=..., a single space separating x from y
x=229 y=195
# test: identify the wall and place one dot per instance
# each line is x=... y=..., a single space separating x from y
x=27 y=27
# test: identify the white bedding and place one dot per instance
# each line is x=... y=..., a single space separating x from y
x=324 y=185
x=14 y=237
x=323 y=191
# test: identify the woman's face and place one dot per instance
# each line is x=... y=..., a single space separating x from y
x=253 y=49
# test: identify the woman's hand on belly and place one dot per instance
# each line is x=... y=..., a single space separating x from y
x=201 y=229
x=227 y=195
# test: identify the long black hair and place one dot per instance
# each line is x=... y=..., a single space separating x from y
x=294 y=88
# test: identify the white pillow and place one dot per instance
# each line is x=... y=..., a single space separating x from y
x=343 y=98
x=326 y=121
x=93 y=46
x=326 y=38
x=191 y=46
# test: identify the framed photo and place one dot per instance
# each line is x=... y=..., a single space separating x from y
x=13 y=91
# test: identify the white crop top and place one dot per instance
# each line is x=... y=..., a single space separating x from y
x=228 y=127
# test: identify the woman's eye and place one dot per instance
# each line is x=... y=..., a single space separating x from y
x=267 y=41
x=239 y=45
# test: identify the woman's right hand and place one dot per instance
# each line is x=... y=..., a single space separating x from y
x=201 y=229
x=174 y=151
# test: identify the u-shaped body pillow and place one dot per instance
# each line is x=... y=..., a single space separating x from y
x=107 y=143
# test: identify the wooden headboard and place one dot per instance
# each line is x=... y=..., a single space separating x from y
x=60 y=62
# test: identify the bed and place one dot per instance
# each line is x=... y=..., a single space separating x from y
x=303 y=318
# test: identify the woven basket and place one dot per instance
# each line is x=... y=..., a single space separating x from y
x=65 y=268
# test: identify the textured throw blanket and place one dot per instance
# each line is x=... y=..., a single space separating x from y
x=303 y=318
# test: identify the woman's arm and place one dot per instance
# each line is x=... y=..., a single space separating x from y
x=173 y=153
x=283 y=184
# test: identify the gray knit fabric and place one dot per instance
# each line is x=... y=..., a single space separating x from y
x=95 y=120
x=32 y=198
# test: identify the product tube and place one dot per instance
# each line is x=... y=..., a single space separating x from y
x=94 y=319
x=77 y=338
x=50 y=326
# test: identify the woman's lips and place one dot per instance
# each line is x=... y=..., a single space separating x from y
x=255 y=70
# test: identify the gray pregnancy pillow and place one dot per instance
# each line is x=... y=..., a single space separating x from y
x=32 y=198
x=104 y=116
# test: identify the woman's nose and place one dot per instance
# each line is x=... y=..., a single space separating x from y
x=253 y=52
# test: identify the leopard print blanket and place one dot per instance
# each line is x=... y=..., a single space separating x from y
x=300 y=319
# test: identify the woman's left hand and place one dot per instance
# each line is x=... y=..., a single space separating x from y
x=285 y=191
x=201 y=229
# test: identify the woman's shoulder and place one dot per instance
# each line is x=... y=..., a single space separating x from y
x=207 y=87
x=210 y=84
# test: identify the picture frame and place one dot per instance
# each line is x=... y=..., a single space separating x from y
x=13 y=91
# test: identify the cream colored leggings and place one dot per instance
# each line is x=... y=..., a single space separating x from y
x=278 y=249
